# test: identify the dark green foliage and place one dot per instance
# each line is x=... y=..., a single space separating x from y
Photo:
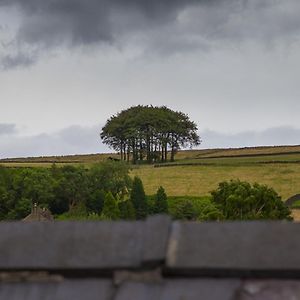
x=72 y=187
x=208 y=211
x=6 y=192
x=203 y=208
x=138 y=198
x=95 y=202
x=127 y=211
x=102 y=193
x=110 y=209
x=161 y=203
x=185 y=211
x=240 y=200
x=72 y=191
x=151 y=200
x=21 y=209
x=110 y=176
x=147 y=132
x=76 y=213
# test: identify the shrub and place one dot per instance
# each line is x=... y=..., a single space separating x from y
x=239 y=200
x=127 y=211
x=110 y=208
x=185 y=211
x=95 y=202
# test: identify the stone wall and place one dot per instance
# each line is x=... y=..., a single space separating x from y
x=153 y=259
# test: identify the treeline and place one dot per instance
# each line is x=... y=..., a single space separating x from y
x=149 y=133
x=62 y=190
x=107 y=192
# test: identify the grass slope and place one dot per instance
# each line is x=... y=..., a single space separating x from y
x=197 y=172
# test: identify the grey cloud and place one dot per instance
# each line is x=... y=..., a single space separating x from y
x=284 y=135
x=17 y=60
x=7 y=129
x=159 y=26
x=82 y=140
x=71 y=140
x=87 y=22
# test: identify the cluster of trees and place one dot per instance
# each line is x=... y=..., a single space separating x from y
x=60 y=189
x=106 y=191
x=149 y=133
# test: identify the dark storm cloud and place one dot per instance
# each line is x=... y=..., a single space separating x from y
x=7 y=129
x=89 y=21
x=158 y=26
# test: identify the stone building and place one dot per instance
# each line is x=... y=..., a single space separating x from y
x=39 y=214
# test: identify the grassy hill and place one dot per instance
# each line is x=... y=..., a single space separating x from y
x=197 y=172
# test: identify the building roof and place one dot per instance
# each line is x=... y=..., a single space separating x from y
x=39 y=214
x=153 y=259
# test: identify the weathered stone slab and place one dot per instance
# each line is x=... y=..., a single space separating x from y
x=200 y=289
x=138 y=291
x=234 y=248
x=193 y=289
x=156 y=238
x=270 y=290
x=71 y=245
x=89 y=289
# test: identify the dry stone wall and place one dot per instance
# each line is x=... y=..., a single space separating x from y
x=152 y=259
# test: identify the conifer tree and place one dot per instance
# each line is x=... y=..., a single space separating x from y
x=111 y=209
x=138 y=198
x=161 y=203
x=127 y=211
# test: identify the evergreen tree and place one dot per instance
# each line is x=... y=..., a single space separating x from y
x=138 y=198
x=110 y=208
x=161 y=202
x=127 y=211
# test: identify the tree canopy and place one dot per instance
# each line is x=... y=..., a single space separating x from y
x=149 y=133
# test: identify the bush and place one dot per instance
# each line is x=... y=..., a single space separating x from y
x=203 y=208
x=95 y=202
x=185 y=211
x=239 y=200
x=111 y=209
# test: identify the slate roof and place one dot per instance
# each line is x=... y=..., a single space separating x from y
x=39 y=214
x=153 y=259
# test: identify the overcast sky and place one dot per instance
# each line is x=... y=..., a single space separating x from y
x=67 y=65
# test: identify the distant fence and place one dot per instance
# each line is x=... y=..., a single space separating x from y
x=180 y=164
x=156 y=259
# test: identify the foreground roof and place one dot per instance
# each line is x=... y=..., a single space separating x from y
x=152 y=259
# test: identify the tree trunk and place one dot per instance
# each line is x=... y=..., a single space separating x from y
x=166 y=152
x=121 y=150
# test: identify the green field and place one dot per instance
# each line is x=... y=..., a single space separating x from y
x=197 y=172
